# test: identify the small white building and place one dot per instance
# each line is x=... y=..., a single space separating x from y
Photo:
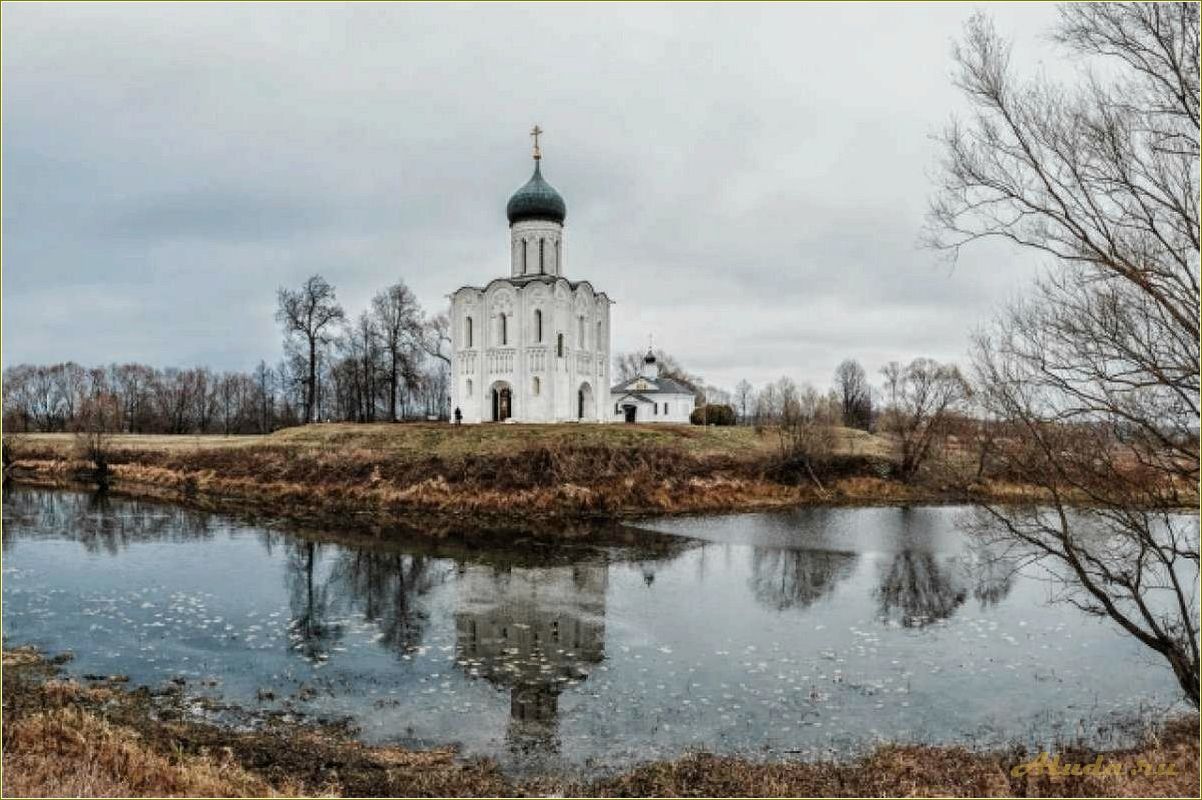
x=532 y=347
x=649 y=398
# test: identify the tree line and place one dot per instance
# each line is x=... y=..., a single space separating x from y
x=919 y=406
x=391 y=362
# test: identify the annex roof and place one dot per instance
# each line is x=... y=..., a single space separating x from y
x=651 y=386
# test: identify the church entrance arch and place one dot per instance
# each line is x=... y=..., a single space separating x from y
x=502 y=401
x=584 y=401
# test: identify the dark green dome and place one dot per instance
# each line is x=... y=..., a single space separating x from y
x=536 y=200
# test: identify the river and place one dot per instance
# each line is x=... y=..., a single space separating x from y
x=809 y=633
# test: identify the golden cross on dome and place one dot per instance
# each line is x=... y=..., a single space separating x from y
x=536 y=132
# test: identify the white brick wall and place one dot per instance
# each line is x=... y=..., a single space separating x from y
x=489 y=363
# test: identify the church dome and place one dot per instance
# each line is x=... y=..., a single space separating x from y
x=537 y=199
x=649 y=358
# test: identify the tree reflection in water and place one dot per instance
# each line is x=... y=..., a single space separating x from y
x=98 y=522
x=384 y=587
x=531 y=631
x=919 y=587
x=782 y=579
x=311 y=631
x=916 y=589
x=992 y=574
x=387 y=588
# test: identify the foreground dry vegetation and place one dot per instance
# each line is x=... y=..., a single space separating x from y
x=553 y=472
x=62 y=737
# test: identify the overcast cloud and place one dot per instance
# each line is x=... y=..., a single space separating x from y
x=747 y=183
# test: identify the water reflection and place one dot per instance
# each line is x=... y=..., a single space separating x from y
x=782 y=579
x=311 y=629
x=992 y=572
x=389 y=590
x=811 y=631
x=533 y=632
x=916 y=589
x=98 y=521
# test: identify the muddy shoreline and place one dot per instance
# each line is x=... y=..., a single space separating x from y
x=95 y=737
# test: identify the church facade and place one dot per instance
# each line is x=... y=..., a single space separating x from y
x=533 y=346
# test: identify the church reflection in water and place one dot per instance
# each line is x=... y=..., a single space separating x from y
x=533 y=632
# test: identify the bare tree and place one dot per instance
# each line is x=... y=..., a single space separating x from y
x=436 y=338
x=71 y=385
x=231 y=390
x=19 y=389
x=892 y=373
x=264 y=381
x=204 y=395
x=310 y=313
x=744 y=396
x=436 y=342
x=398 y=320
x=767 y=407
x=132 y=383
x=925 y=395
x=1097 y=372
x=805 y=434
x=291 y=380
x=94 y=425
x=854 y=394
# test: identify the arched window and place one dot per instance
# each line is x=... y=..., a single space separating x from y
x=538 y=325
x=537 y=385
x=597 y=341
x=559 y=344
x=468 y=390
x=541 y=252
x=523 y=256
x=504 y=329
x=558 y=265
x=467 y=331
x=665 y=408
x=580 y=333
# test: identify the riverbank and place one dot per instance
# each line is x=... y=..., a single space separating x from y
x=496 y=473
x=92 y=738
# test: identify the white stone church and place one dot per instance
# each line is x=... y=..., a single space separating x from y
x=534 y=346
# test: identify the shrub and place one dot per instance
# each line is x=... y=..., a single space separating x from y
x=713 y=414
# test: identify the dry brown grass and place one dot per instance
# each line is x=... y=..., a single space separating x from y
x=521 y=473
x=21 y=656
x=71 y=752
x=442 y=440
x=540 y=471
x=911 y=771
x=63 y=443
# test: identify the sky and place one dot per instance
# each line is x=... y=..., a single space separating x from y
x=748 y=183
